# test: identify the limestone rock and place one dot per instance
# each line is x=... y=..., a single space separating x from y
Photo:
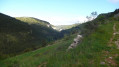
x=77 y=40
x=102 y=63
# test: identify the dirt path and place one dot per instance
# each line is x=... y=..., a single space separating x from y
x=114 y=29
x=110 y=59
x=114 y=34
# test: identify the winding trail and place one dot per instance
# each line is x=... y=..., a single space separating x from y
x=114 y=35
x=110 y=59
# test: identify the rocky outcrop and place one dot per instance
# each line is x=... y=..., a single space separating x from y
x=76 y=42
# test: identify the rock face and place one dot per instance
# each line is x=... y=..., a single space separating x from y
x=77 y=40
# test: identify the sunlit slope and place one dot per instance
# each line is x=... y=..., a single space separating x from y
x=31 y=20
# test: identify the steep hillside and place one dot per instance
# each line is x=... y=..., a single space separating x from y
x=99 y=47
x=41 y=27
x=19 y=36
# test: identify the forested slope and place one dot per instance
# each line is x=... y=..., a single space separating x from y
x=18 y=36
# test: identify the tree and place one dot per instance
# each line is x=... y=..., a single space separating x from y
x=89 y=18
x=92 y=16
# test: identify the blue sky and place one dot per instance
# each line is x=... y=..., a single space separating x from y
x=57 y=12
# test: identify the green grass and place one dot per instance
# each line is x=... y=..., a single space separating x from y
x=34 y=58
x=88 y=54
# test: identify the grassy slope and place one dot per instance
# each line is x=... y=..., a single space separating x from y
x=89 y=53
x=34 y=58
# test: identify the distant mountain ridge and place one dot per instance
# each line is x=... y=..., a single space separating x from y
x=65 y=27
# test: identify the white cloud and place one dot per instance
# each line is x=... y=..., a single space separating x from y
x=114 y=1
